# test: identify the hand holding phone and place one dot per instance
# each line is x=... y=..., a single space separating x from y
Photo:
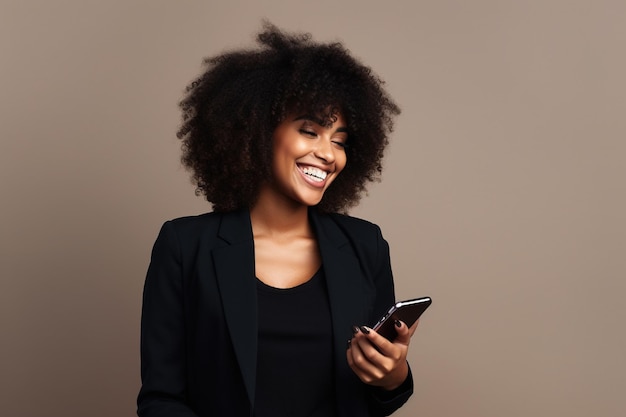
x=407 y=311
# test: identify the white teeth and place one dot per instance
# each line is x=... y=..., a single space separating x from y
x=316 y=174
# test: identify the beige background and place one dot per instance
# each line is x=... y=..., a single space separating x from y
x=503 y=196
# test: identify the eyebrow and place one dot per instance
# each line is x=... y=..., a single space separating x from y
x=320 y=122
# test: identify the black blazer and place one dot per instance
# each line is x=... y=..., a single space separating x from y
x=199 y=328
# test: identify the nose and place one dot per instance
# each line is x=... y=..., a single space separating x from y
x=324 y=150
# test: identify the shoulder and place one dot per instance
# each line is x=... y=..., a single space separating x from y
x=351 y=221
x=192 y=225
x=194 y=222
x=189 y=230
x=186 y=237
x=362 y=235
x=363 y=239
x=355 y=227
x=214 y=228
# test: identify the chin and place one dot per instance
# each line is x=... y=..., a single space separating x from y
x=310 y=203
x=309 y=200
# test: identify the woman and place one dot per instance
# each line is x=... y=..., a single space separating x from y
x=247 y=309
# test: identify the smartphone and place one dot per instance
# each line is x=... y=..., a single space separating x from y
x=407 y=311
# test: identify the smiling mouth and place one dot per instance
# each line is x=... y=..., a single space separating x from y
x=315 y=174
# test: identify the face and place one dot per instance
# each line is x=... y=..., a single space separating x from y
x=307 y=157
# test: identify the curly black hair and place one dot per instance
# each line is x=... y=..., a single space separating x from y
x=231 y=111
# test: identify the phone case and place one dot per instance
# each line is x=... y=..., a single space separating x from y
x=407 y=311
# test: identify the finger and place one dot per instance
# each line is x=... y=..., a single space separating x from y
x=349 y=354
x=359 y=362
x=379 y=343
x=371 y=366
x=403 y=332
x=382 y=357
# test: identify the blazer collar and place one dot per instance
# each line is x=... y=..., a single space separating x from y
x=234 y=263
x=235 y=227
x=348 y=303
x=234 y=267
x=343 y=276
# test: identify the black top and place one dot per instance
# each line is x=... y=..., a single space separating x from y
x=295 y=353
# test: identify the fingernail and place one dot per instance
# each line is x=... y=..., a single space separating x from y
x=349 y=343
x=365 y=329
x=355 y=329
x=398 y=323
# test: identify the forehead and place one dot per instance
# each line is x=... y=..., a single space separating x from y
x=326 y=116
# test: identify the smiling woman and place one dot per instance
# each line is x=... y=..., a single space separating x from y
x=307 y=158
x=247 y=309
x=231 y=111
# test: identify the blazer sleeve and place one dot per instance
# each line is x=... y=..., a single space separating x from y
x=163 y=390
x=381 y=402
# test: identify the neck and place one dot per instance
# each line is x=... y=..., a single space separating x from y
x=272 y=216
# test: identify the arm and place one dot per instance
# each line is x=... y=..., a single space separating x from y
x=163 y=390
x=378 y=362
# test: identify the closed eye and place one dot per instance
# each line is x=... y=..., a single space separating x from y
x=342 y=145
x=309 y=133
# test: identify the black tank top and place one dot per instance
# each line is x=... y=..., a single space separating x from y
x=295 y=351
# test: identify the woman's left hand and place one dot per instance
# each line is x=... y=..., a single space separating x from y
x=376 y=360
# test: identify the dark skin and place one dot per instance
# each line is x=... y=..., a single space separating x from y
x=307 y=157
x=376 y=360
x=286 y=252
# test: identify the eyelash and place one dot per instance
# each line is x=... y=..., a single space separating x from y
x=308 y=132
x=313 y=134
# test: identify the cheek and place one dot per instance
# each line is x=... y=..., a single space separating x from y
x=290 y=148
x=341 y=162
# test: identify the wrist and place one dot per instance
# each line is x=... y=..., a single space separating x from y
x=398 y=378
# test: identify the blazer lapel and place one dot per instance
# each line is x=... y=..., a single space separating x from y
x=343 y=278
x=348 y=305
x=234 y=266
